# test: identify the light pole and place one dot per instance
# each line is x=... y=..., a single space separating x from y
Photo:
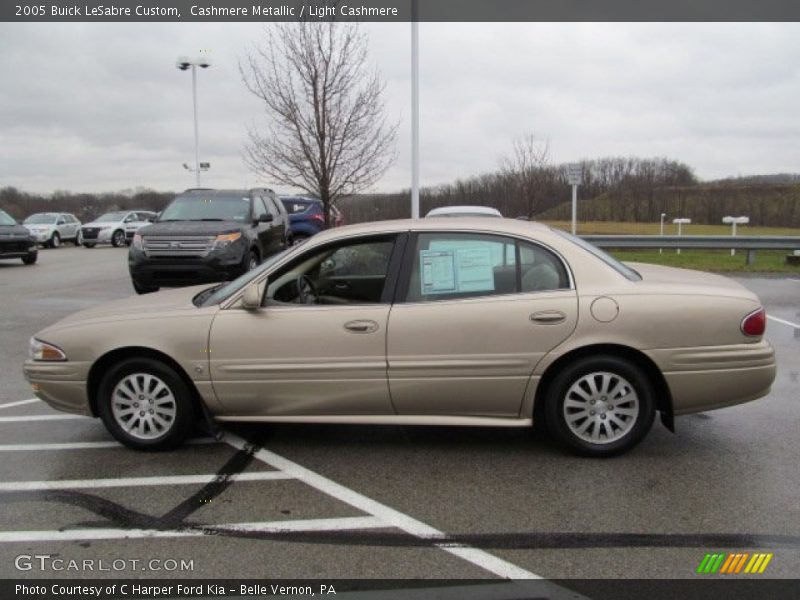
x=183 y=63
x=663 y=216
x=679 y=223
x=733 y=222
x=414 y=110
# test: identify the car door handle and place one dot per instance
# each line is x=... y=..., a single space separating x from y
x=361 y=326
x=548 y=317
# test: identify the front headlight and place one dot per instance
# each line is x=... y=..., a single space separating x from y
x=42 y=351
x=224 y=240
x=137 y=241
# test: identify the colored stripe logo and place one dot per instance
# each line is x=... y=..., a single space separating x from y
x=734 y=563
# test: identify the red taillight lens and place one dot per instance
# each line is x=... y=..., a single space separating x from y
x=318 y=217
x=755 y=323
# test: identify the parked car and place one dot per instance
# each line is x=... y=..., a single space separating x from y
x=16 y=241
x=115 y=228
x=307 y=216
x=50 y=229
x=464 y=211
x=207 y=236
x=493 y=322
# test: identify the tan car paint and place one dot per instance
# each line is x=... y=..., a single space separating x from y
x=686 y=322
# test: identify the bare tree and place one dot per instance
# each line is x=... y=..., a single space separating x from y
x=528 y=167
x=327 y=131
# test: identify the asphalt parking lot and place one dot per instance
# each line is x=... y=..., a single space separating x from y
x=385 y=502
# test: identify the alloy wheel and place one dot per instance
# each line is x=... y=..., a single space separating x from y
x=143 y=406
x=601 y=407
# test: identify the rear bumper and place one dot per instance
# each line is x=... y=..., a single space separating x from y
x=710 y=377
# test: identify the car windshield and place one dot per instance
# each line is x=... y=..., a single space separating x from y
x=111 y=217
x=612 y=262
x=41 y=219
x=218 y=293
x=207 y=208
x=6 y=219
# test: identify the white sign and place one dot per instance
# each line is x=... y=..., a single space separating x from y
x=575 y=174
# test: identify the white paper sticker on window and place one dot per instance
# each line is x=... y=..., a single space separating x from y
x=457 y=270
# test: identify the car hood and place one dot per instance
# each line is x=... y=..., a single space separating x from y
x=191 y=228
x=136 y=307
x=101 y=224
x=699 y=282
x=38 y=226
x=13 y=230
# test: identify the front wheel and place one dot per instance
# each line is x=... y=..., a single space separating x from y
x=30 y=258
x=141 y=288
x=600 y=405
x=78 y=238
x=145 y=405
x=55 y=240
x=118 y=239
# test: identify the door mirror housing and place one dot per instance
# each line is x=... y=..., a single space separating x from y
x=253 y=293
x=265 y=218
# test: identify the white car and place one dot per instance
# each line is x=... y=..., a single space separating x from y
x=464 y=211
x=115 y=228
x=50 y=229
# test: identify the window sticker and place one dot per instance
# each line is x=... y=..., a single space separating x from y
x=464 y=269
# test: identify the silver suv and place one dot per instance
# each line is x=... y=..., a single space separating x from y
x=50 y=229
x=115 y=228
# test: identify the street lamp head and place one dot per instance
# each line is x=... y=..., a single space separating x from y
x=183 y=63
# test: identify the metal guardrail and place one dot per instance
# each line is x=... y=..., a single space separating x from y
x=751 y=243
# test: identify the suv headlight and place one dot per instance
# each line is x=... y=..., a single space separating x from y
x=42 y=351
x=137 y=242
x=225 y=240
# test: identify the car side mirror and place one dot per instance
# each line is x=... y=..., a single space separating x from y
x=266 y=218
x=253 y=293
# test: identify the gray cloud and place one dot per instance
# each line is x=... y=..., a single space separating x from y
x=102 y=107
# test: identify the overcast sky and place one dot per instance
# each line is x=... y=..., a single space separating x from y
x=101 y=107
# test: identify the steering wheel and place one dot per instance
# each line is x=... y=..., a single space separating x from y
x=306 y=290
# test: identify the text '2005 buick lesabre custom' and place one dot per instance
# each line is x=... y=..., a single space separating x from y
x=472 y=321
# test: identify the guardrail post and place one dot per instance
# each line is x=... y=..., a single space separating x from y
x=751 y=256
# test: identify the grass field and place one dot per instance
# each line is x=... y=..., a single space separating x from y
x=767 y=261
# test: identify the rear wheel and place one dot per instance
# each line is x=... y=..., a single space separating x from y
x=78 y=238
x=145 y=404
x=30 y=258
x=118 y=238
x=600 y=405
x=55 y=240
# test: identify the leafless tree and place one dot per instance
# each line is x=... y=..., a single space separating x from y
x=528 y=167
x=327 y=133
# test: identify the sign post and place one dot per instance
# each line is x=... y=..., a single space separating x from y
x=734 y=221
x=679 y=223
x=575 y=178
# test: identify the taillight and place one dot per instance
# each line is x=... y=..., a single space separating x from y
x=318 y=217
x=755 y=323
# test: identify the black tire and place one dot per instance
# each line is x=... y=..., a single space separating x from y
x=141 y=288
x=176 y=429
x=252 y=260
x=118 y=238
x=618 y=421
x=88 y=245
x=78 y=239
x=55 y=240
x=30 y=258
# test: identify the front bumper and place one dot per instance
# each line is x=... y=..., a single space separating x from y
x=41 y=237
x=17 y=248
x=219 y=265
x=62 y=385
x=710 y=377
x=101 y=237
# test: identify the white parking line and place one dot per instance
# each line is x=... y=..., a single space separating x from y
x=80 y=445
x=389 y=516
x=18 y=403
x=789 y=323
x=195 y=531
x=25 y=418
x=74 y=484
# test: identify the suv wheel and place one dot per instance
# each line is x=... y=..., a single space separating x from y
x=145 y=404
x=78 y=238
x=55 y=240
x=600 y=405
x=252 y=261
x=141 y=288
x=118 y=238
x=30 y=258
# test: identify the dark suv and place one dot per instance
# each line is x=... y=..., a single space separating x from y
x=207 y=236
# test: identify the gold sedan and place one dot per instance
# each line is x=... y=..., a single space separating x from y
x=472 y=321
